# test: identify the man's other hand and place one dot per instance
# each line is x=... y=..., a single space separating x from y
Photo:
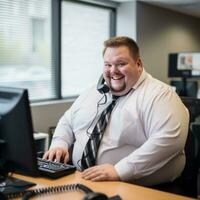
x=105 y=172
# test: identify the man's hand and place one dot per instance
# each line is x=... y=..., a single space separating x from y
x=105 y=172
x=57 y=154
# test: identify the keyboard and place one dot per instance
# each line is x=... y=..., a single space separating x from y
x=54 y=170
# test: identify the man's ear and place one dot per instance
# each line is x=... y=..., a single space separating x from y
x=139 y=63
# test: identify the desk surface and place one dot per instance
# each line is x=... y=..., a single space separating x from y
x=125 y=190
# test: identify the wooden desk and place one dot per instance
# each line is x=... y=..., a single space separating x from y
x=125 y=190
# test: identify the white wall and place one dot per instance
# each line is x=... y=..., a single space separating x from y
x=160 y=32
x=126 y=19
x=45 y=115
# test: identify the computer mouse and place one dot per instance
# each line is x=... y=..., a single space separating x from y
x=95 y=196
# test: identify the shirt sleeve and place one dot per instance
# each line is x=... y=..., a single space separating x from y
x=63 y=135
x=165 y=120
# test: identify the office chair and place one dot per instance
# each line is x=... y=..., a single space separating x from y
x=189 y=180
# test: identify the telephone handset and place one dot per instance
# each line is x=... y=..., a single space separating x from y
x=90 y=195
x=101 y=86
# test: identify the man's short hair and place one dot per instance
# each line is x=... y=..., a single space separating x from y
x=123 y=41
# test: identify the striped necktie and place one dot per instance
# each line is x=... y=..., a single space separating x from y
x=92 y=146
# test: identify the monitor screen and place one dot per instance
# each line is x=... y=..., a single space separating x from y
x=191 y=88
x=193 y=106
x=184 y=64
x=16 y=132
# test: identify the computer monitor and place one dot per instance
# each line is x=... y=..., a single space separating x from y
x=184 y=65
x=193 y=106
x=191 y=88
x=17 y=149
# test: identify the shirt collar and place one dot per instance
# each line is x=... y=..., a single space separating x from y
x=142 y=77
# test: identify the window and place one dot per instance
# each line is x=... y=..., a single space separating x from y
x=25 y=46
x=28 y=46
x=84 y=28
x=37 y=33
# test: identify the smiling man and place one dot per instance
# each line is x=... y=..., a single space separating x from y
x=121 y=70
x=136 y=132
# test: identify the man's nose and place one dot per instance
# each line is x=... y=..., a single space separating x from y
x=113 y=68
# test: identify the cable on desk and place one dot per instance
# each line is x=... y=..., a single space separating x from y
x=48 y=190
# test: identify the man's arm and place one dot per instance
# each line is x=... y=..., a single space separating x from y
x=166 y=125
x=61 y=141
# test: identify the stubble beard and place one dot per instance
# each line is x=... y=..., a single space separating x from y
x=119 y=89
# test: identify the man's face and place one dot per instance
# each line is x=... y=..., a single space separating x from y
x=121 y=71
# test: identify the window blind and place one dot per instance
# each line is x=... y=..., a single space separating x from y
x=25 y=47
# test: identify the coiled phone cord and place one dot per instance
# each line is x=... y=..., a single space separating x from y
x=49 y=190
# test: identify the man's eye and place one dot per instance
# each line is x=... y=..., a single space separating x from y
x=108 y=65
x=121 y=64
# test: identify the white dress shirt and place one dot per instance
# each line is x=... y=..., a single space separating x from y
x=144 y=138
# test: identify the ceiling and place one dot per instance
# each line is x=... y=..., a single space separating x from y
x=189 y=7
